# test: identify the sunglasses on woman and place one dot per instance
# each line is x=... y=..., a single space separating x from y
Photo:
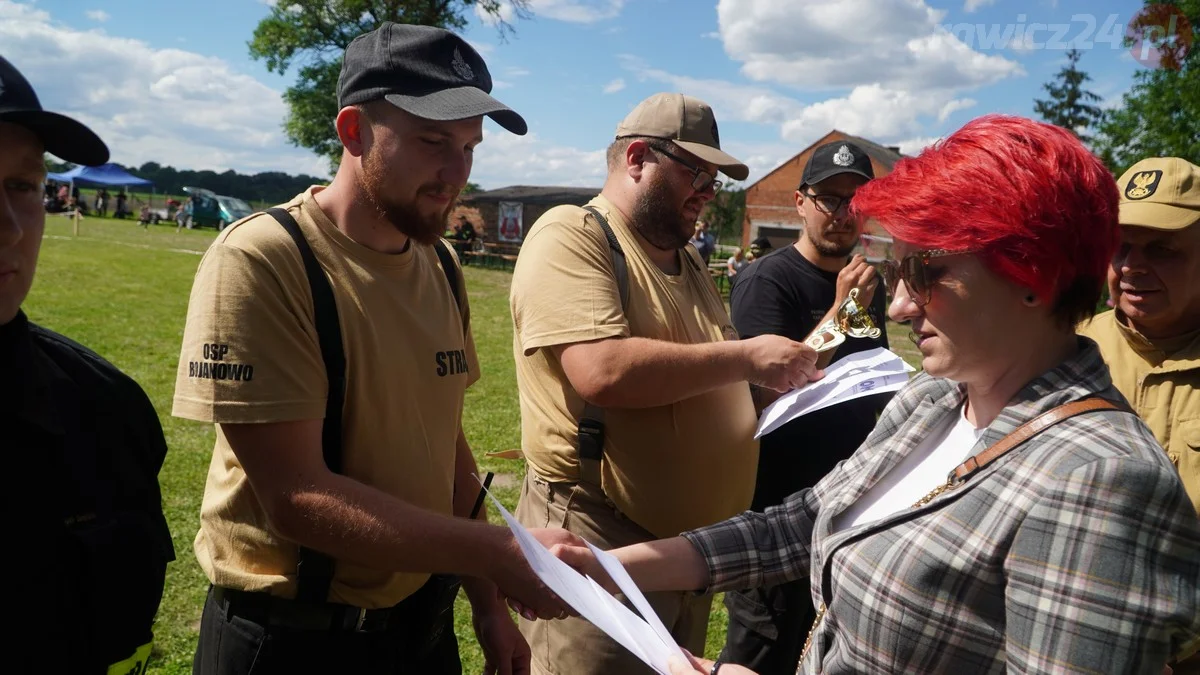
x=914 y=271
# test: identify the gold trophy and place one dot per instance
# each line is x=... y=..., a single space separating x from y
x=852 y=319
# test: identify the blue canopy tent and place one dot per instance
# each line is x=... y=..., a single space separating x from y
x=105 y=175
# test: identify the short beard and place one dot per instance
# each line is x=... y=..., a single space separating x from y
x=404 y=216
x=658 y=220
x=828 y=249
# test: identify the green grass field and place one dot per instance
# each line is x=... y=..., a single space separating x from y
x=122 y=290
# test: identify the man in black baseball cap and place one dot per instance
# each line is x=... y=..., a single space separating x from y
x=338 y=516
x=790 y=292
x=78 y=433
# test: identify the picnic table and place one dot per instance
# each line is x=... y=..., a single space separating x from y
x=502 y=255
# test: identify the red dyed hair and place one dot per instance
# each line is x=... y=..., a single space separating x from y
x=1027 y=198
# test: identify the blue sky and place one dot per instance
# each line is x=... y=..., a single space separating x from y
x=173 y=81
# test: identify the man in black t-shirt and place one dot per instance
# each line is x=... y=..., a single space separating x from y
x=790 y=292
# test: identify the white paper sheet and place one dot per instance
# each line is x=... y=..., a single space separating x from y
x=860 y=374
x=648 y=638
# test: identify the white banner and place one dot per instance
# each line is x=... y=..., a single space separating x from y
x=510 y=227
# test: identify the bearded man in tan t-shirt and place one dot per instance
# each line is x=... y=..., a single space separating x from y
x=324 y=566
x=658 y=378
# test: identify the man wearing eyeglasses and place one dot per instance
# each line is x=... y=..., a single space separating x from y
x=636 y=418
x=790 y=292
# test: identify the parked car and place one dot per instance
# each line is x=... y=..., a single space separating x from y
x=209 y=209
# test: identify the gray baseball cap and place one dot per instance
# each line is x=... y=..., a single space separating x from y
x=426 y=71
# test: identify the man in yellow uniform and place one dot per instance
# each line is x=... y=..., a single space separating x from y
x=1151 y=339
x=330 y=342
x=633 y=384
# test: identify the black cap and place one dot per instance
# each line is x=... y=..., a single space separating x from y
x=762 y=244
x=62 y=136
x=426 y=71
x=834 y=158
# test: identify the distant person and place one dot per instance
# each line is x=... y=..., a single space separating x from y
x=122 y=205
x=703 y=241
x=80 y=436
x=102 y=203
x=330 y=342
x=760 y=247
x=736 y=263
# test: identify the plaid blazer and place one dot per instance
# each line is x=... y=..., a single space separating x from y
x=1078 y=551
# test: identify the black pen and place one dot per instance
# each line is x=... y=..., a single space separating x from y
x=487 y=482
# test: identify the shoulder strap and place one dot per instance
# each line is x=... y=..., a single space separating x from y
x=314 y=570
x=1031 y=429
x=620 y=267
x=590 y=437
x=448 y=267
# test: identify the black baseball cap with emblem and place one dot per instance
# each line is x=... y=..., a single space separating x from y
x=426 y=71
x=835 y=158
x=62 y=136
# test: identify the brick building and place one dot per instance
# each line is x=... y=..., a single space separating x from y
x=771 y=201
x=507 y=213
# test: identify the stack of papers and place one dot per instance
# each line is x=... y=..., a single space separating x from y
x=647 y=638
x=861 y=374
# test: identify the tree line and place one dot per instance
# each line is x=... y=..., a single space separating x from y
x=272 y=187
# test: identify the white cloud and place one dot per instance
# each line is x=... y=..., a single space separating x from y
x=954 y=106
x=976 y=5
x=504 y=159
x=515 y=71
x=913 y=146
x=876 y=112
x=164 y=105
x=614 y=86
x=577 y=11
x=871 y=111
x=845 y=43
x=98 y=15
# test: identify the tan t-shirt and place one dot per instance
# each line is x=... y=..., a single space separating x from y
x=669 y=468
x=251 y=355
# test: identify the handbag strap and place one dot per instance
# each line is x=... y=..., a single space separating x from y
x=1018 y=436
x=1031 y=429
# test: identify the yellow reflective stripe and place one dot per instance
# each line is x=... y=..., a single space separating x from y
x=134 y=665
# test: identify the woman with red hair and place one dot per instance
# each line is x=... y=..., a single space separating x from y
x=1008 y=513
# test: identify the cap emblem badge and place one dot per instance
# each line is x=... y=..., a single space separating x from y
x=1143 y=184
x=461 y=67
x=843 y=157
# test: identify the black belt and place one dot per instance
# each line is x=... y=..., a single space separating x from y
x=269 y=610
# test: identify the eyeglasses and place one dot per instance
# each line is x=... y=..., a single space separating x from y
x=827 y=204
x=913 y=270
x=701 y=179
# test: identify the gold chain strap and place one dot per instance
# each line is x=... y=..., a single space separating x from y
x=948 y=485
x=808 y=641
